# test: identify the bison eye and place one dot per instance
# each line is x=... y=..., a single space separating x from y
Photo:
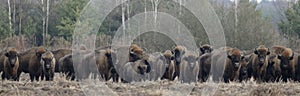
x=279 y=57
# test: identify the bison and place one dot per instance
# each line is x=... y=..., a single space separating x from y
x=11 y=64
x=189 y=67
x=48 y=63
x=226 y=61
x=170 y=65
x=35 y=68
x=136 y=71
x=59 y=53
x=259 y=62
x=273 y=71
x=204 y=67
x=178 y=52
x=288 y=62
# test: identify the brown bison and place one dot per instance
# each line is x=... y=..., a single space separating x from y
x=136 y=71
x=273 y=71
x=59 y=53
x=205 y=49
x=227 y=60
x=104 y=60
x=48 y=63
x=204 y=67
x=2 y=56
x=259 y=62
x=178 y=52
x=189 y=67
x=288 y=62
x=11 y=64
x=135 y=53
x=170 y=65
x=35 y=68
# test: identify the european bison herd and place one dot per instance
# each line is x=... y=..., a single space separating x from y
x=227 y=64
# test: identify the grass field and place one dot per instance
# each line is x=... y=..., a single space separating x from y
x=62 y=87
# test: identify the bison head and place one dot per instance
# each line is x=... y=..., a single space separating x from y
x=262 y=53
x=285 y=58
x=48 y=60
x=12 y=55
x=39 y=51
x=235 y=56
x=178 y=52
x=206 y=49
x=135 y=53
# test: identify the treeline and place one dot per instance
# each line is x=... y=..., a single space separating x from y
x=27 y=23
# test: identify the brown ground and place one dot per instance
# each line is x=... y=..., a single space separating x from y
x=62 y=87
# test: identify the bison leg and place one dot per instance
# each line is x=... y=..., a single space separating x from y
x=31 y=77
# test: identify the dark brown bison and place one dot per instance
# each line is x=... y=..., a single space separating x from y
x=288 y=62
x=170 y=65
x=243 y=70
x=178 y=52
x=205 y=49
x=67 y=66
x=136 y=71
x=189 y=67
x=48 y=63
x=24 y=58
x=273 y=71
x=259 y=62
x=11 y=64
x=35 y=68
x=204 y=67
x=59 y=53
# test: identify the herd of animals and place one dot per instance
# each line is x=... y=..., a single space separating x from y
x=274 y=64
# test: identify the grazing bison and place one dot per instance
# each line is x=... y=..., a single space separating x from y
x=35 y=68
x=288 y=62
x=66 y=67
x=189 y=67
x=136 y=71
x=178 y=52
x=59 y=53
x=273 y=71
x=205 y=49
x=204 y=67
x=11 y=64
x=229 y=59
x=259 y=62
x=170 y=65
x=48 y=63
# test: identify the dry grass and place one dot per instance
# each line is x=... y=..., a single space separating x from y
x=62 y=87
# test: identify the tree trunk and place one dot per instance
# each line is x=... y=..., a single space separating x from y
x=44 y=21
x=47 y=24
x=9 y=18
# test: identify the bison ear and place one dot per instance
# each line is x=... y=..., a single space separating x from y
x=229 y=56
x=292 y=56
x=279 y=57
x=255 y=51
x=6 y=54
